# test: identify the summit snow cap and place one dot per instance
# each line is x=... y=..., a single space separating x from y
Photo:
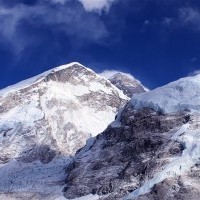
x=177 y=96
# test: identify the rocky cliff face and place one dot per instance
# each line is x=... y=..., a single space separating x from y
x=45 y=120
x=151 y=151
x=121 y=159
x=128 y=84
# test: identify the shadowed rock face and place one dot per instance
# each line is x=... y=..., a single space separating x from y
x=178 y=187
x=128 y=85
x=122 y=159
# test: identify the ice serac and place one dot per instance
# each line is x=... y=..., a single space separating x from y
x=153 y=153
x=45 y=120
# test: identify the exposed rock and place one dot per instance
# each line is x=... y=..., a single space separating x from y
x=128 y=84
x=122 y=159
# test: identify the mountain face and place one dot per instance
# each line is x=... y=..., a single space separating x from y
x=150 y=152
x=44 y=121
x=128 y=84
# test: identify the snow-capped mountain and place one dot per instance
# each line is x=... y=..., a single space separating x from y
x=150 y=152
x=44 y=121
x=125 y=82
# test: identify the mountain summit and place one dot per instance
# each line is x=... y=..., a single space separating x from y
x=128 y=84
x=45 y=120
x=125 y=82
x=69 y=99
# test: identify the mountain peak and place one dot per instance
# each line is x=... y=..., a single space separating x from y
x=62 y=92
x=45 y=120
x=125 y=82
x=38 y=78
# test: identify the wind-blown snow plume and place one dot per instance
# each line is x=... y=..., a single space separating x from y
x=125 y=82
x=109 y=73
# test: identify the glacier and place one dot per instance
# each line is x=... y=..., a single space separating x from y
x=180 y=95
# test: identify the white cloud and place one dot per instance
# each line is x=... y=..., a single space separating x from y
x=72 y=21
x=109 y=73
x=190 y=16
x=58 y=1
x=186 y=17
x=194 y=59
x=96 y=5
x=167 y=21
x=194 y=73
x=9 y=21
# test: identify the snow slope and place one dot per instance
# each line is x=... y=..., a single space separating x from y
x=25 y=83
x=70 y=97
x=181 y=95
x=44 y=121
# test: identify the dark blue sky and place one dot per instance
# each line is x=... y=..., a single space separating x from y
x=158 y=41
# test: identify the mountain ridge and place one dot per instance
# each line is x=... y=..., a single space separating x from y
x=44 y=121
x=151 y=149
x=146 y=153
x=33 y=80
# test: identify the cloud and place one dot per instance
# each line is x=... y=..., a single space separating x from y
x=194 y=73
x=70 y=19
x=190 y=16
x=59 y=1
x=181 y=17
x=109 y=73
x=167 y=21
x=194 y=59
x=9 y=20
x=96 y=5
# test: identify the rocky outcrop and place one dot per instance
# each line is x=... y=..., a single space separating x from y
x=178 y=187
x=128 y=84
x=122 y=158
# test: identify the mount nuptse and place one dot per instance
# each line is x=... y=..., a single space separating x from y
x=150 y=152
